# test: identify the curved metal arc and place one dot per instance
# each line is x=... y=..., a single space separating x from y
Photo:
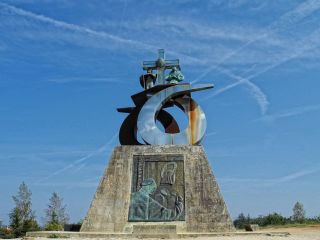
x=128 y=130
x=197 y=122
x=197 y=119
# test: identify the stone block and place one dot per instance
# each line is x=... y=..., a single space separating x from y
x=152 y=229
x=204 y=207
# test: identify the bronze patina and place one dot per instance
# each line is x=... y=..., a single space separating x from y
x=175 y=76
x=151 y=103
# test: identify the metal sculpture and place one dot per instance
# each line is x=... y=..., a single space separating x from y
x=150 y=105
x=175 y=76
x=161 y=64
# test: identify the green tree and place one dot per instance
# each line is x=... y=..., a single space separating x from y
x=299 y=214
x=22 y=218
x=274 y=219
x=55 y=214
x=241 y=221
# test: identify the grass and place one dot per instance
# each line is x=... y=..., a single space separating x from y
x=290 y=225
x=57 y=236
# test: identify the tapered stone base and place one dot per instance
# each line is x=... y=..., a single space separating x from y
x=204 y=209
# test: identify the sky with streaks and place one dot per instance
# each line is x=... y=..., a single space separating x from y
x=66 y=65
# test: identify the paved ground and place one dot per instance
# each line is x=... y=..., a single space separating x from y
x=306 y=233
x=296 y=233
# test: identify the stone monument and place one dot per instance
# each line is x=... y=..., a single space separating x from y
x=159 y=182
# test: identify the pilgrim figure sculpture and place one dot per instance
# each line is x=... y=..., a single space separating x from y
x=143 y=207
x=175 y=76
x=165 y=193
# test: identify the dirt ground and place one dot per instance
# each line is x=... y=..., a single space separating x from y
x=295 y=233
x=310 y=232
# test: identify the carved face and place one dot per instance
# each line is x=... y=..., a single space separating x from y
x=168 y=173
x=149 y=185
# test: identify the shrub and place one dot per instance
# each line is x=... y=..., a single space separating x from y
x=6 y=233
x=53 y=226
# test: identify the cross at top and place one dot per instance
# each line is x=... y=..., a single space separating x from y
x=161 y=64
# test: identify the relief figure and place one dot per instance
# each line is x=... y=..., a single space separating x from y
x=165 y=193
x=143 y=207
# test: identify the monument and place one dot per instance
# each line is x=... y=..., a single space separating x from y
x=159 y=181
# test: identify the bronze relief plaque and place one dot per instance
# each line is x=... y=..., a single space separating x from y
x=157 y=191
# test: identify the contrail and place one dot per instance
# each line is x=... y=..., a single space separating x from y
x=90 y=32
x=75 y=28
x=272 y=181
x=293 y=176
x=291 y=17
x=255 y=91
x=91 y=80
x=80 y=160
x=210 y=134
x=291 y=112
x=300 y=48
x=122 y=15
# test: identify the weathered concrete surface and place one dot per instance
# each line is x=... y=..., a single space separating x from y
x=205 y=210
x=156 y=228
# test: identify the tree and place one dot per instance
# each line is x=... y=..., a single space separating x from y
x=56 y=215
x=241 y=221
x=299 y=214
x=22 y=218
x=274 y=219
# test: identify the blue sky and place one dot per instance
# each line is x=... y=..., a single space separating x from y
x=66 y=65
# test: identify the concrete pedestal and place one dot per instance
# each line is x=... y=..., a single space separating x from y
x=204 y=208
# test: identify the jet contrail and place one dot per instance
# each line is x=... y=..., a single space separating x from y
x=80 y=160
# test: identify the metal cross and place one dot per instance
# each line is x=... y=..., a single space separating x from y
x=160 y=65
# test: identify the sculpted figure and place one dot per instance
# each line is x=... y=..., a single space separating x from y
x=140 y=200
x=145 y=208
x=148 y=80
x=165 y=193
x=175 y=76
